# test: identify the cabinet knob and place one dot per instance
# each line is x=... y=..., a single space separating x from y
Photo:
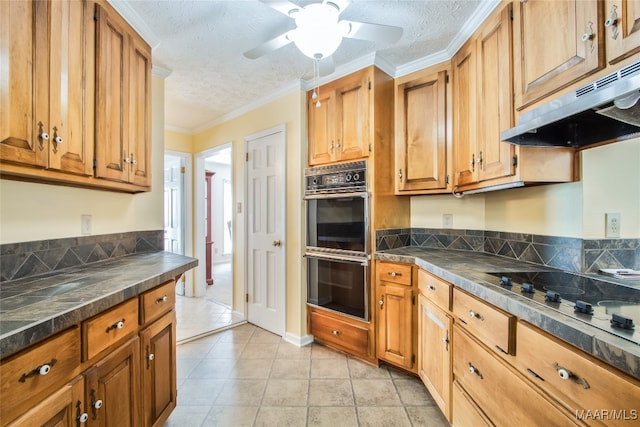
x=475 y=371
x=118 y=325
x=58 y=140
x=612 y=22
x=336 y=332
x=474 y=315
x=432 y=288
x=42 y=370
x=44 y=136
x=163 y=299
x=151 y=356
x=97 y=404
x=381 y=303
x=82 y=418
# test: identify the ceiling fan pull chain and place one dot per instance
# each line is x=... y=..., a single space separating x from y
x=316 y=83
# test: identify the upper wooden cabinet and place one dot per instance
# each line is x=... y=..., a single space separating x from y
x=76 y=90
x=422 y=125
x=483 y=107
x=339 y=128
x=556 y=44
x=123 y=101
x=622 y=29
x=47 y=62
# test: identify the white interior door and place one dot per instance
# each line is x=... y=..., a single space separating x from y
x=174 y=224
x=265 y=237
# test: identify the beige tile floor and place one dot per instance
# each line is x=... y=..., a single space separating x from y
x=197 y=316
x=246 y=376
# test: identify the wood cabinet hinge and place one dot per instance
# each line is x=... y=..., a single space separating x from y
x=413 y=359
x=369 y=84
x=413 y=299
x=511 y=14
x=95 y=163
x=446 y=78
x=369 y=147
x=446 y=180
x=95 y=12
x=515 y=161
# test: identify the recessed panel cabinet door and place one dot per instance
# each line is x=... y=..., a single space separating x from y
x=139 y=113
x=321 y=127
x=622 y=29
x=556 y=43
x=114 y=382
x=421 y=136
x=353 y=117
x=395 y=330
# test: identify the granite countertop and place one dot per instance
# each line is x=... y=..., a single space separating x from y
x=465 y=270
x=34 y=308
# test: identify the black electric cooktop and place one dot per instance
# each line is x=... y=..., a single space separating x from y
x=605 y=305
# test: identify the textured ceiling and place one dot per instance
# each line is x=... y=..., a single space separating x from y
x=201 y=44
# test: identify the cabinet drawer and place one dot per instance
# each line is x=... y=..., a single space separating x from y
x=157 y=301
x=109 y=327
x=580 y=382
x=435 y=289
x=465 y=411
x=498 y=390
x=490 y=325
x=348 y=336
x=395 y=273
x=35 y=373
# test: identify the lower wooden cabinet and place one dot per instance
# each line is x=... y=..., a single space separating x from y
x=341 y=332
x=127 y=377
x=435 y=353
x=158 y=344
x=504 y=396
x=396 y=320
x=63 y=408
x=112 y=390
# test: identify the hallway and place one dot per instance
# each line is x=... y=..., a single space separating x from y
x=198 y=316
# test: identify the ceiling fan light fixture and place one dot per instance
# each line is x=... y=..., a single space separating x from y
x=318 y=33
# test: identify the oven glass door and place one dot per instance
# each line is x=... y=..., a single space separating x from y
x=337 y=221
x=338 y=284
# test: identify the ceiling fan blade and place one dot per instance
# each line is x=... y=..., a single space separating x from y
x=283 y=6
x=373 y=32
x=269 y=46
x=327 y=66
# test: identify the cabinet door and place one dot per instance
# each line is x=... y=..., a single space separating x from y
x=622 y=32
x=556 y=44
x=140 y=113
x=395 y=332
x=434 y=353
x=158 y=343
x=465 y=116
x=112 y=388
x=112 y=103
x=321 y=127
x=63 y=408
x=23 y=50
x=353 y=116
x=495 y=98
x=421 y=134
x=71 y=104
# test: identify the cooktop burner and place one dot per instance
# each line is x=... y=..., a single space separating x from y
x=608 y=306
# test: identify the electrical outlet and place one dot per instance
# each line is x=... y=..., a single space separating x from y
x=85 y=224
x=447 y=220
x=612 y=221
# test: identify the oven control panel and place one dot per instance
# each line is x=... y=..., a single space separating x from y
x=336 y=178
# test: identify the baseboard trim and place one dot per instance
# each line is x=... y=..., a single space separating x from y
x=297 y=340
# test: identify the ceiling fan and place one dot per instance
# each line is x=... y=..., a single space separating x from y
x=319 y=31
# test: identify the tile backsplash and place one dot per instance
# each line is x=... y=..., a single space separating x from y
x=25 y=259
x=566 y=253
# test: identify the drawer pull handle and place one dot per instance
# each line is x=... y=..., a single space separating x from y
x=336 y=332
x=381 y=302
x=432 y=288
x=118 y=325
x=475 y=370
x=475 y=315
x=163 y=299
x=42 y=370
x=566 y=374
x=394 y=274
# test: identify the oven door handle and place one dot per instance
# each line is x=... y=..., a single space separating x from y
x=362 y=260
x=334 y=195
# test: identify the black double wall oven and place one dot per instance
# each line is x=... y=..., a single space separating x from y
x=337 y=247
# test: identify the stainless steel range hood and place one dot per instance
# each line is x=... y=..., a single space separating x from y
x=604 y=110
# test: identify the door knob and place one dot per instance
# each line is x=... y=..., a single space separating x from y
x=277 y=243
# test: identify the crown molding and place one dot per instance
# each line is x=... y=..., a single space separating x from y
x=159 y=71
x=131 y=16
